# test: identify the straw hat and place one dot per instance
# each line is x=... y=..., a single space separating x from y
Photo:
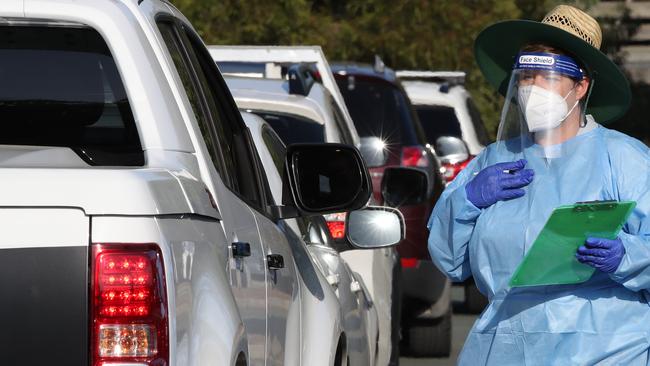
x=569 y=29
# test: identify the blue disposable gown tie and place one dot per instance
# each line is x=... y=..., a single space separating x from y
x=604 y=320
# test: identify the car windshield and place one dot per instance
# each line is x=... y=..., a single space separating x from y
x=379 y=109
x=61 y=87
x=294 y=129
x=438 y=121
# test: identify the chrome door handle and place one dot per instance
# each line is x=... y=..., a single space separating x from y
x=240 y=249
x=275 y=261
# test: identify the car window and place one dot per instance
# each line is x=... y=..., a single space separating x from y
x=341 y=125
x=275 y=146
x=475 y=115
x=256 y=69
x=191 y=89
x=223 y=124
x=378 y=109
x=438 y=121
x=237 y=143
x=60 y=87
x=292 y=128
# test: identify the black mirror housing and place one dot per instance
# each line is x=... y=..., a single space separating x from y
x=325 y=178
x=402 y=186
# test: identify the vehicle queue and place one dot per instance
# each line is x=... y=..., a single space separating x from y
x=253 y=205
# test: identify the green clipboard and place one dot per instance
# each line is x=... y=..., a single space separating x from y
x=551 y=260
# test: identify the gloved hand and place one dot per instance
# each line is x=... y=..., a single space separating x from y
x=602 y=254
x=499 y=182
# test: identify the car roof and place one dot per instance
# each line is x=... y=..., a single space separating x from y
x=356 y=68
x=273 y=95
x=434 y=87
x=427 y=92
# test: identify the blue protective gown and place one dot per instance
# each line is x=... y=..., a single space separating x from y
x=605 y=320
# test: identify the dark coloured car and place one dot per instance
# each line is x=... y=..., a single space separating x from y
x=391 y=135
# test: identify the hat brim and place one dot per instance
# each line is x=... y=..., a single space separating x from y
x=497 y=46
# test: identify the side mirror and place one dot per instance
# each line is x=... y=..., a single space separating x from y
x=325 y=178
x=404 y=186
x=373 y=150
x=451 y=150
x=375 y=227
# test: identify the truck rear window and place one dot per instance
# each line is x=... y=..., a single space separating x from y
x=379 y=110
x=59 y=86
x=438 y=121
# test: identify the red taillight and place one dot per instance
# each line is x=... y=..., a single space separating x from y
x=450 y=171
x=336 y=224
x=129 y=307
x=415 y=156
x=409 y=262
x=337 y=229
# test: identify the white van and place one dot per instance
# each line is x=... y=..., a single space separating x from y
x=444 y=106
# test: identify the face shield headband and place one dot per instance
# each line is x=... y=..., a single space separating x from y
x=564 y=65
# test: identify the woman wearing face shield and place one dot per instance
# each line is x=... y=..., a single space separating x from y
x=551 y=150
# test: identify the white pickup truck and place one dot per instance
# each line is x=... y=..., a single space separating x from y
x=137 y=223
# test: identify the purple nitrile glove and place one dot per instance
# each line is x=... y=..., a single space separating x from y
x=499 y=182
x=602 y=254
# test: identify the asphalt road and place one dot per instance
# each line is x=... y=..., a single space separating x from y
x=461 y=324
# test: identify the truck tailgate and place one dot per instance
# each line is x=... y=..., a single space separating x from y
x=44 y=286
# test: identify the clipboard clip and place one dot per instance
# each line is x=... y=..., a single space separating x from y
x=595 y=205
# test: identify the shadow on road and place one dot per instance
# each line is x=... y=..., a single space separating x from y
x=462 y=321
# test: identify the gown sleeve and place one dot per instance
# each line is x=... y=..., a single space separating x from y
x=630 y=167
x=451 y=225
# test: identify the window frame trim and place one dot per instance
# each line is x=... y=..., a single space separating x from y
x=184 y=33
x=174 y=23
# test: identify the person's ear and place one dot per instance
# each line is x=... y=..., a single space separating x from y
x=582 y=87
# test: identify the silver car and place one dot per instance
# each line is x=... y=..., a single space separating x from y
x=379 y=268
x=357 y=311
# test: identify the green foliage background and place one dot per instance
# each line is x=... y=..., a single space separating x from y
x=407 y=34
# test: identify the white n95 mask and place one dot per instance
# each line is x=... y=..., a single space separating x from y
x=543 y=109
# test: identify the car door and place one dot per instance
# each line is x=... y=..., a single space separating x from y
x=266 y=281
x=283 y=306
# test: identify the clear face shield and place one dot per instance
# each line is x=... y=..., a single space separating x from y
x=543 y=106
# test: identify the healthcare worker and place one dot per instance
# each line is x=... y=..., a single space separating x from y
x=551 y=150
